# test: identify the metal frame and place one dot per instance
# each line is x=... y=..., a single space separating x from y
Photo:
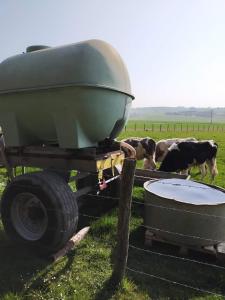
x=54 y=157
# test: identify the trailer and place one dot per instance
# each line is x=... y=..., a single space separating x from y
x=39 y=208
x=61 y=109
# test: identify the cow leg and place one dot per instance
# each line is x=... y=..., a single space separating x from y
x=149 y=164
x=146 y=164
x=211 y=163
x=203 y=170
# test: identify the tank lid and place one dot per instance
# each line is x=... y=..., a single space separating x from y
x=36 y=48
x=186 y=191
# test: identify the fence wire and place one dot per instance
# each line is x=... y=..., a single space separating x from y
x=176 y=258
x=173 y=257
x=175 y=282
x=155 y=229
x=178 y=210
x=184 y=259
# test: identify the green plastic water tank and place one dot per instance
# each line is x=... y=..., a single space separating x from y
x=75 y=95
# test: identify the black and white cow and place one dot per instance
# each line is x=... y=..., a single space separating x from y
x=145 y=149
x=162 y=146
x=182 y=156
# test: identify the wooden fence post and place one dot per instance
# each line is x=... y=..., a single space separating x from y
x=135 y=127
x=127 y=182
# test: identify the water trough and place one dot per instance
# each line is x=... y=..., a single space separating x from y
x=185 y=212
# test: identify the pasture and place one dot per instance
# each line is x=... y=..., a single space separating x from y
x=85 y=272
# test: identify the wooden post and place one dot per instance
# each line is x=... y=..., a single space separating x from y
x=124 y=220
x=135 y=127
x=74 y=241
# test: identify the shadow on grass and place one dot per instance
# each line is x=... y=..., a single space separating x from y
x=93 y=208
x=22 y=271
x=164 y=272
x=172 y=269
x=18 y=265
x=107 y=291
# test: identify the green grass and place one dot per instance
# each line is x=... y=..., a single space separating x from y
x=85 y=272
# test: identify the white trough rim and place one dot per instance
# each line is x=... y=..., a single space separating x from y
x=186 y=191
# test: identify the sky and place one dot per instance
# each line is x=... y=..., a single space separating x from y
x=174 y=49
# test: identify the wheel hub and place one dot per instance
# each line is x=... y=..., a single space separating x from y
x=29 y=216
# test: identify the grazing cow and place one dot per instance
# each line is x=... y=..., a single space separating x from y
x=182 y=156
x=162 y=146
x=145 y=149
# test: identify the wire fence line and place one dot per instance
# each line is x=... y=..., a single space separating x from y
x=168 y=256
x=141 y=250
x=168 y=209
x=131 y=268
x=182 y=234
x=98 y=197
x=178 y=210
x=161 y=278
x=140 y=272
x=175 y=283
x=184 y=259
x=175 y=127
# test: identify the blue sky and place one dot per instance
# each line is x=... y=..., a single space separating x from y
x=174 y=49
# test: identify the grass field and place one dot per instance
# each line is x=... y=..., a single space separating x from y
x=85 y=272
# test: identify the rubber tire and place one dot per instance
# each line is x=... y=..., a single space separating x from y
x=60 y=204
x=113 y=190
x=62 y=173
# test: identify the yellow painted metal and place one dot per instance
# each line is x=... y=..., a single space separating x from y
x=110 y=162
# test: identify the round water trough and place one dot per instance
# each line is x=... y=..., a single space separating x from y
x=185 y=212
